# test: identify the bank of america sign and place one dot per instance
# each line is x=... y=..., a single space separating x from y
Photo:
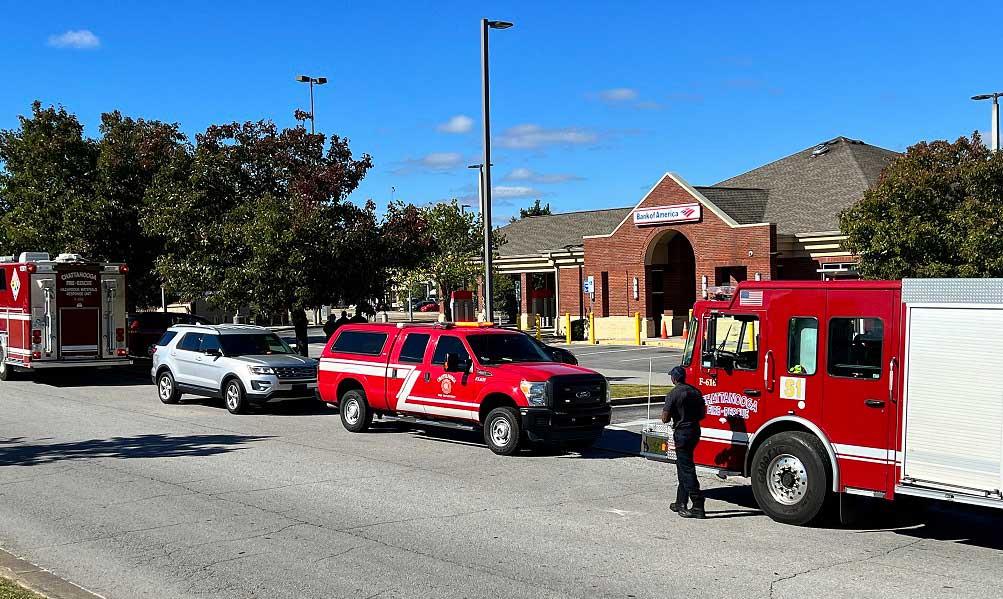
x=683 y=213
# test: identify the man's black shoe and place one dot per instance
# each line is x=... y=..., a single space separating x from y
x=693 y=512
x=674 y=506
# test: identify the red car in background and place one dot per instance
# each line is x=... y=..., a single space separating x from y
x=146 y=328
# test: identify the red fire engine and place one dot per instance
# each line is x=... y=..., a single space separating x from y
x=61 y=313
x=873 y=388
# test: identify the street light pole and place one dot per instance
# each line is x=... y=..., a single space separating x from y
x=312 y=81
x=486 y=168
x=994 y=134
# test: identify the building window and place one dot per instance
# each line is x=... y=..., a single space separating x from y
x=604 y=283
x=802 y=346
x=855 y=347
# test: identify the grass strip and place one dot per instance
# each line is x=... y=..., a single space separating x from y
x=11 y=590
x=619 y=391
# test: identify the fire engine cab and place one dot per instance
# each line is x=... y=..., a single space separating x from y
x=465 y=376
x=67 y=312
x=872 y=388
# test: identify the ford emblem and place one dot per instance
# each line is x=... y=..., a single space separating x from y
x=583 y=395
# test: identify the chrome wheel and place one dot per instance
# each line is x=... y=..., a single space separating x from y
x=501 y=432
x=232 y=396
x=352 y=411
x=787 y=479
x=166 y=389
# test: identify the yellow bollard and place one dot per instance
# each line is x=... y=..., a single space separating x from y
x=536 y=319
x=567 y=327
x=637 y=328
x=592 y=329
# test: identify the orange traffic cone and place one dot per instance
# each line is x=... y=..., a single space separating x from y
x=665 y=331
x=686 y=331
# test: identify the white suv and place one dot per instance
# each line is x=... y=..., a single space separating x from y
x=237 y=363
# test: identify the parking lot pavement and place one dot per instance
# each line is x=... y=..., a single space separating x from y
x=128 y=497
x=628 y=363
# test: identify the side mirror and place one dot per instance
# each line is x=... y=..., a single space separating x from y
x=452 y=363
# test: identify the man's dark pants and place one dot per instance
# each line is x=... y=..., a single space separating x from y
x=686 y=441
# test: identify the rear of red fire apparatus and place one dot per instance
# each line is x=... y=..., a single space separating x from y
x=871 y=388
x=67 y=312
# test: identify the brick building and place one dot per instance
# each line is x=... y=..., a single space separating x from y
x=779 y=221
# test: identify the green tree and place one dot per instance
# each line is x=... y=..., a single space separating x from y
x=254 y=216
x=937 y=211
x=535 y=210
x=131 y=153
x=47 y=200
x=62 y=192
x=456 y=244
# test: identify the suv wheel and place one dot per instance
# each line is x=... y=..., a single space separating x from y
x=233 y=395
x=166 y=389
x=355 y=413
x=502 y=431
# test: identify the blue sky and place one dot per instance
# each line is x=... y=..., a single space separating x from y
x=591 y=101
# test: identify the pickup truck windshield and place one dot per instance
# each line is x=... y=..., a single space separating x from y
x=257 y=344
x=497 y=349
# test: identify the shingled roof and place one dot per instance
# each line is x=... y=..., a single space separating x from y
x=538 y=234
x=807 y=190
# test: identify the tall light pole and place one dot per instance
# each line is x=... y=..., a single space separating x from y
x=486 y=172
x=312 y=81
x=995 y=132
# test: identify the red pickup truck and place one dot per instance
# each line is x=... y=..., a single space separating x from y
x=467 y=377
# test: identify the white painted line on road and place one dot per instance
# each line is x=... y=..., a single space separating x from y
x=643 y=421
x=611 y=351
x=658 y=357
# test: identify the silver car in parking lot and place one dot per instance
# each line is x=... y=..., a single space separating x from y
x=238 y=363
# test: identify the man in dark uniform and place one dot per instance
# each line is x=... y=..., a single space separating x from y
x=300 y=325
x=685 y=406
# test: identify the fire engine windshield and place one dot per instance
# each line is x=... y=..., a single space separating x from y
x=258 y=344
x=498 y=349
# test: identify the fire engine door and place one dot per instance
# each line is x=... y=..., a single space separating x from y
x=731 y=372
x=861 y=358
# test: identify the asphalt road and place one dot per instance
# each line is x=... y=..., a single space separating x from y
x=111 y=489
x=628 y=363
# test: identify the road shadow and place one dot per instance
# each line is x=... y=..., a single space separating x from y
x=17 y=453
x=117 y=376
x=279 y=407
x=931 y=520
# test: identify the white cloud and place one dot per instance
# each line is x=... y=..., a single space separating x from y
x=460 y=123
x=82 y=39
x=436 y=162
x=525 y=174
x=618 y=94
x=529 y=136
x=514 y=191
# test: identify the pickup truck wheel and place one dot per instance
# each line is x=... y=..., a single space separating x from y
x=502 y=431
x=790 y=478
x=166 y=389
x=233 y=395
x=355 y=413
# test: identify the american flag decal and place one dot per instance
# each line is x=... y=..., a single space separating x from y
x=750 y=298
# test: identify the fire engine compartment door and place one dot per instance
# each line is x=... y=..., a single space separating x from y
x=78 y=295
x=954 y=398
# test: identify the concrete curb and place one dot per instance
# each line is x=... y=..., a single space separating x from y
x=40 y=580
